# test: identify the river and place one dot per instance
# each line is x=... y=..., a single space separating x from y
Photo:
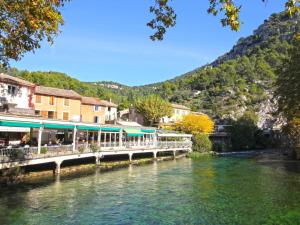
x=221 y=190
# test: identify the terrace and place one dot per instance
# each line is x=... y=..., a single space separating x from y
x=83 y=140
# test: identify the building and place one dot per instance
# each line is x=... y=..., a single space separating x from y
x=16 y=95
x=92 y=110
x=55 y=103
x=110 y=111
x=179 y=111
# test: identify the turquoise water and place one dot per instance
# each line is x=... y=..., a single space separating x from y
x=206 y=191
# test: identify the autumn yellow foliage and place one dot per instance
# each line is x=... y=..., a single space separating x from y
x=195 y=124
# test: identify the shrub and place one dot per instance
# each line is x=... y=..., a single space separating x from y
x=94 y=147
x=44 y=150
x=17 y=154
x=202 y=143
x=81 y=148
x=243 y=132
x=292 y=132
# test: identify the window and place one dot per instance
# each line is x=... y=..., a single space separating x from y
x=37 y=112
x=65 y=116
x=38 y=99
x=109 y=109
x=51 y=100
x=11 y=90
x=97 y=108
x=96 y=119
x=50 y=114
x=66 y=102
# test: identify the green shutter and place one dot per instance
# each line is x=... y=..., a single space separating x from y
x=19 y=124
x=59 y=126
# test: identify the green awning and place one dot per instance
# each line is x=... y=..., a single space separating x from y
x=88 y=128
x=111 y=129
x=19 y=124
x=131 y=132
x=59 y=126
x=148 y=130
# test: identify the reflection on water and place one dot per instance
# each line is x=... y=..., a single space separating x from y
x=207 y=191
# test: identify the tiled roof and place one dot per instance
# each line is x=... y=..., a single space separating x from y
x=108 y=104
x=57 y=92
x=176 y=106
x=15 y=80
x=90 y=101
x=97 y=101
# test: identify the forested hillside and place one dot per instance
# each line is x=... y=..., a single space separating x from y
x=240 y=80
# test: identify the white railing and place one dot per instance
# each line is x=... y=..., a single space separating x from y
x=174 y=144
x=109 y=144
x=11 y=154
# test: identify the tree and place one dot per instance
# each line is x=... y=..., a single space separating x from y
x=288 y=94
x=201 y=143
x=195 y=124
x=288 y=83
x=243 y=132
x=165 y=16
x=292 y=132
x=24 y=24
x=153 y=108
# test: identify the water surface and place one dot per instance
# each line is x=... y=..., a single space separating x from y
x=207 y=191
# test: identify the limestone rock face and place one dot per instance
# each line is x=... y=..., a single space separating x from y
x=270 y=29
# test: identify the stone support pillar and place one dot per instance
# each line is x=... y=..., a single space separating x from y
x=57 y=167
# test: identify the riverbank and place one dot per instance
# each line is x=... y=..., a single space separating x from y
x=19 y=175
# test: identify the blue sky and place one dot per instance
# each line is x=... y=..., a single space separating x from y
x=109 y=40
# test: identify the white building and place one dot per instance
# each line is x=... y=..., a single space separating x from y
x=16 y=95
x=110 y=111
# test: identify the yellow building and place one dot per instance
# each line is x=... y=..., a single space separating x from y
x=179 y=111
x=55 y=103
x=92 y=110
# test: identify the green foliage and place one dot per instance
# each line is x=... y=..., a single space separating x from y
x=199 y=155
x=288 y=83
x=81 y=148
x=201 y=143
x=165 y=16
x=44 y=150
x=94 y=147
x=24 y=24
x=153 y=108
x=17 y=154
x=243 y=132
x=292 y=131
